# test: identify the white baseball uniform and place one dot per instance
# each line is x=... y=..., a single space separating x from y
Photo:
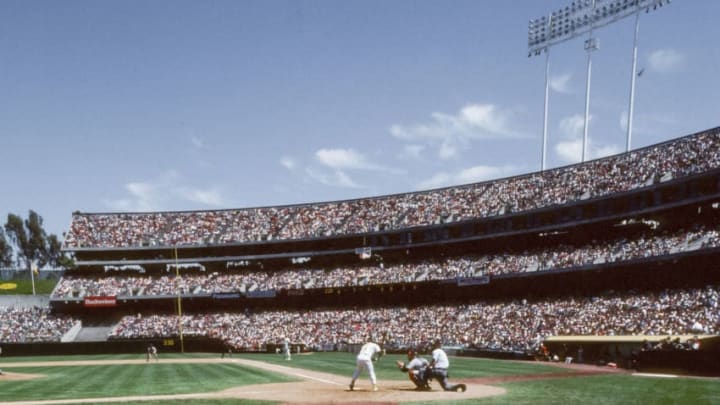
x=365 y=361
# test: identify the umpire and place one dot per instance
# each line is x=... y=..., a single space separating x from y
x=438 y=369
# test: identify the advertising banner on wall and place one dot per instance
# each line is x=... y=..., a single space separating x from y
x=100 y=301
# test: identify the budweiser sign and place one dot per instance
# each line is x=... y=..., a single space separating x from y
x=99 y=301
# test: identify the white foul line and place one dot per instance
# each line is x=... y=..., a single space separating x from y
x=655 y=375
x=295 y=374
x=316 y=379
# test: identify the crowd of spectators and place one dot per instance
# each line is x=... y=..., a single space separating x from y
x=34 y=324
x=508 y=325
x=564 y=256
x=619 y=173
x=514 y=325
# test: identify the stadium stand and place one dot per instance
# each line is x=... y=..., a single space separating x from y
x=641 y=168
x=621 y=246
x=515 y=325
x=562 y=256
x=36 y=324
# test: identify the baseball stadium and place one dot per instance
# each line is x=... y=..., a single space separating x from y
x=596 y=282
x=577 y=282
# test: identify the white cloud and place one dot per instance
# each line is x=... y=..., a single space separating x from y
x=573 y=126
x=624 y=120
x=140 y=190
x=344 y=180
x=412 y=151
x=349 y=159
x=570 y=151
x=336 y=178
x=561 y=83
x=485 y=117
x=335 y=165
x=142 y=197
x=206 y=197
x=164 y=193
x=469 y=175
x=288 y=162
x=648 y=123
x=197 y=142
x=666 y=61
x=448 y=149
x=344 y=159
x=121 y=204
x=449 y=134
x=599 y=151
x=473 y=121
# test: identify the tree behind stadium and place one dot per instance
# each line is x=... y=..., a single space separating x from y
x=5 y=251
x=33 y=244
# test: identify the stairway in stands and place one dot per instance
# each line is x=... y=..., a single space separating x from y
x=93 y=334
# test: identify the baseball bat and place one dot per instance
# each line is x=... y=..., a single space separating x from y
x=382 y=344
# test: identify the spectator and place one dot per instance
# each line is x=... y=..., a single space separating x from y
x=628 y=171
x=36 y=324
x=512 y=326
x=649 y=244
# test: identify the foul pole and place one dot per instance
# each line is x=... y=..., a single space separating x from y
x=179 y=301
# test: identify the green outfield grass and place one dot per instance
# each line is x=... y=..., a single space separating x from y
x=24 y=287
x=159 y=378
x=65 y=382
x=462 y=367
x=79 y=357
x=606 y=390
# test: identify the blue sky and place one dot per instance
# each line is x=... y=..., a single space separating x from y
x=176 y=105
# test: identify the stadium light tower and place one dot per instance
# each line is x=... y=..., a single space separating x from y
x=579 y=18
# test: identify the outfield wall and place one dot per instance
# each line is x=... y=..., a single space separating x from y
x=200 y=345
x=139 y=346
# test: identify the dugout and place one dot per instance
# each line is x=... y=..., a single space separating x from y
x=665 y=353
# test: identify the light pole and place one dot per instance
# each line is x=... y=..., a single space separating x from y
x=545 y=113
x=578 y=18
x=633 y=75
x=591 y=45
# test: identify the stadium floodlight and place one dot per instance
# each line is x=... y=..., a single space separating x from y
x=579 y=18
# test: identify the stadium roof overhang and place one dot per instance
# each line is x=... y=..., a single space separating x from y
x=623 y=338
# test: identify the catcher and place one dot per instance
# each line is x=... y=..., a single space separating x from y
x=416 y=367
